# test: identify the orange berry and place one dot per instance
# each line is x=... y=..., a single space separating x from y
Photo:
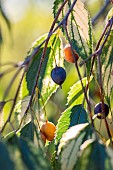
x=69 y=55
x=48 y=129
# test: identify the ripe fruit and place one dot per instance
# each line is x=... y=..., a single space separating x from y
x=58 y=75
x=98 y=110
x=48 y=130
x=69 y=55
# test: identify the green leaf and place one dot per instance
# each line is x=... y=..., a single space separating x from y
x=45 y=83
x=54 y=161
x=76 y=95
x=57 y=4
x=32 y=156
x=80 y=30
x=5 y=161
x=28 y=131
x=94 y=156
x=107 y=60
x=70 y=117
x=29 y=155
x=70 y=144
x=107 y=64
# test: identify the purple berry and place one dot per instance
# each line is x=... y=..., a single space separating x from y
x=58 y=75
x=98 y=110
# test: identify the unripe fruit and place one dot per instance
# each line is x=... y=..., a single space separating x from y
x=58 y=75
x=98 y=110
x=48 y=130
x=69 y=55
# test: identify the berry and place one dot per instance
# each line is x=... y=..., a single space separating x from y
x=98 y=110
x=48 y=130
x=58 y=75
x=69 y=55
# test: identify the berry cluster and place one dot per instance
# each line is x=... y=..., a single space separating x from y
x=58 y=75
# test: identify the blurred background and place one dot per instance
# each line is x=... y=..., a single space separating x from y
x=28 y=20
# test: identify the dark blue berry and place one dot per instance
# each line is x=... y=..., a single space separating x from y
x=98 y=110
x=58 y=75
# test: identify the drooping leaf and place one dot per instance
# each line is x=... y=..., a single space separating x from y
x=70 y=144
x=5 y=161
x=53 y=56
x=94 y=156
x=70 y=117
x=80 y=30
x=108 y=64
x=76 y=95
x=107 y=68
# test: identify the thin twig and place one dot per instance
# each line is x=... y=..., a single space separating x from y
x=15 y=99
x=11 y=83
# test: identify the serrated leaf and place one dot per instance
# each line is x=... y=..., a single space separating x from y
x=107 y=67
x=5 y=161
x=80 y=30
x=94 y=156
x=76 y=95
x=70 y=145
x=45 y=83
x=70 y=117
x=57 y=4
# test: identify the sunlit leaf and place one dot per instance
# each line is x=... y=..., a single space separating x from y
x=76 y=95
x=70 y=143
x=70 y=117
x=80 y=30
x=53 y=56
x=94 y=156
